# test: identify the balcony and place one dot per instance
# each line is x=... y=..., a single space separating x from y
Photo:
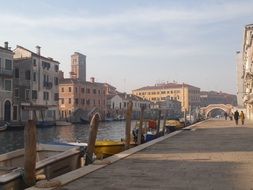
x=6 y=73
x=47 y=85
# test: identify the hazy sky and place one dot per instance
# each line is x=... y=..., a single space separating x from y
x=135 y=43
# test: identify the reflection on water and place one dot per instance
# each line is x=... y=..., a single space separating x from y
x=14 y=139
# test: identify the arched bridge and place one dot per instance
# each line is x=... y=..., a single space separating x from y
x=225 y=107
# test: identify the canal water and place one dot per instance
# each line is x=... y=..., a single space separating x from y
x=14 y=139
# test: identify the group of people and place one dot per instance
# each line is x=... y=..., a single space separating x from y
x=236 y=116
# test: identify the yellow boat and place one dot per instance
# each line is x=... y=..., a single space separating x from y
x=106 y=148
x=173 y=124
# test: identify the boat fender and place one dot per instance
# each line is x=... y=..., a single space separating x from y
x=40 y=177
x=48 y=184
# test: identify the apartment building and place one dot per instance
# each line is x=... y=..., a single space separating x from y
x=6 y=83
x=78 y=97
x=35 y=84
x=188 y=95
x=247 y=65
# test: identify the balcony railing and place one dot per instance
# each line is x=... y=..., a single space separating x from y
x=6 y=73
x=48 y=85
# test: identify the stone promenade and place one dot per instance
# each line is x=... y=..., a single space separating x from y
x=214 y=154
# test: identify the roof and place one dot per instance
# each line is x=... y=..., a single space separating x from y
x=2 y=48
x=35 y=54
x=165 y=86
x=128 y=97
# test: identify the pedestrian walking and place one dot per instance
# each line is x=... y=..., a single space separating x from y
x=242 y=117
x=236 y=117
x=225 y=115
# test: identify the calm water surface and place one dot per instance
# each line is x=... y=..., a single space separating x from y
x=14 y=139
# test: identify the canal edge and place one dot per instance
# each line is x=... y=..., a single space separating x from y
x=76 y=174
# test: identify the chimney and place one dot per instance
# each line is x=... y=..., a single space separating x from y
x=38 y=50
x=6 y=45
x=92 y=79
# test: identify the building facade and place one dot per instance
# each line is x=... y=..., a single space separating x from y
x=118 y=105
x=35 y=84
x=239 y=73
x=213 y=97
x=188 y=95
x=6 y=83
x=78 y=99
x=173 y=107
x=247 y=65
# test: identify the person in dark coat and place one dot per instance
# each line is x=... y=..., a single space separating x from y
x=236 y=117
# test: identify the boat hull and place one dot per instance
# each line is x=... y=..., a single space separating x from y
x=108 y=148
x=52 y=161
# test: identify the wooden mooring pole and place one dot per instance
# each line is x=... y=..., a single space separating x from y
x=158 y=123
x=30 y=153
x=128 y=124
x=164 y=121
x=92 y=139
x=139 y=141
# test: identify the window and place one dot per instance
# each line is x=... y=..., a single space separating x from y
x=45 y=95
x=94 y=91
x=15 y=112
x=62 y=89
x=88 y=102
x=76 y=101
x=56 y=81
x=62 y=101
x=28 y=75
x=94 y=102
x=34 y=76
x=45 y=65
x=56 y=68
x=7 y=85
x=16 y=92
x=69 y=89
x=27 y=91
x=82 y=90
x=56 y=96
x=76 y=89
x=69 y=100
x=34 y=94
x=16 y=72
x=8 y=64
x=87 y=90
x=34 y=63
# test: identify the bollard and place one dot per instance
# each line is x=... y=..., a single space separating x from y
x=92 y=139
x=30 y=153
x=128 y=124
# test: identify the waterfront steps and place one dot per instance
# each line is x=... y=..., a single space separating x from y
x=214 y=154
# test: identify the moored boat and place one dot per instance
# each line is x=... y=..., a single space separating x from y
x=3 y=125
x=52 y=161
x=106 y=148
x=173 y=124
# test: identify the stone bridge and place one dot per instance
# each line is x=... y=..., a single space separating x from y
x=225 y=107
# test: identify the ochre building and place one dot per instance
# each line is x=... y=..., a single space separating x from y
x=188 y=95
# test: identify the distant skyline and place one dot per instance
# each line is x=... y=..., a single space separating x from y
x=131 y=44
